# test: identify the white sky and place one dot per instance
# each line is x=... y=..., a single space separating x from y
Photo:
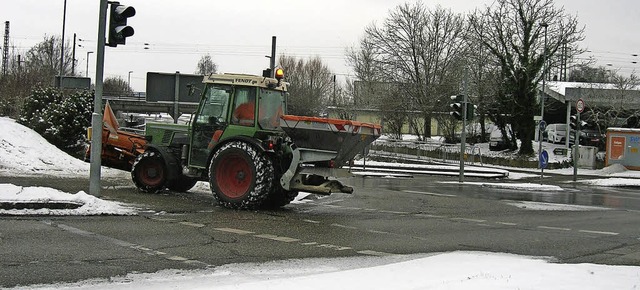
x=24 y=152
x=238 y=33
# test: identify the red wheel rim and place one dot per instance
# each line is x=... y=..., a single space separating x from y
x=234 y=176
x=151 y=173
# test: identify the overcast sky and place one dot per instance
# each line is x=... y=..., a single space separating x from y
x=238 y=33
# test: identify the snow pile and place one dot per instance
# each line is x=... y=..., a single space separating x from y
x=25 y=152
x=90 y=205
x=456 y=270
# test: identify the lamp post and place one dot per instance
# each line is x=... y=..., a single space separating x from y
x=64 y=20
x=87 y=73
x=544 y=71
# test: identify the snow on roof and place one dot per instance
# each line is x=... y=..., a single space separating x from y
x=561 y=87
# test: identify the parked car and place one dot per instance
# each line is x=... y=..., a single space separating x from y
x=590 y=137
x=555 y=133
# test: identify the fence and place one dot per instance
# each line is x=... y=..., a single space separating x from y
x=428 y=151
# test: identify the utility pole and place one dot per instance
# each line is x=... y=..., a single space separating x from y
x=5 y=49
x=73 y=57
x=64 y=20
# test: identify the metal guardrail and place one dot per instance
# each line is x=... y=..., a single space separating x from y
x=430 y=150
x=136 y=96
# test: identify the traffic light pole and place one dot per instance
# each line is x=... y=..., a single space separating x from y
x=463 y=135
x=576 y=146
x=96 y=117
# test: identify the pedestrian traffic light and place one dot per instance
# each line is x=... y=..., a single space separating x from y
x=118 y=28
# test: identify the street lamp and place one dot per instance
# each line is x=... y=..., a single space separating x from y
x=87 y=73
x=129 y=79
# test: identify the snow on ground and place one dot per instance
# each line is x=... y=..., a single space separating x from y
x=515 y=186
x=455 y=270
x=88 y=204
x=24 y=152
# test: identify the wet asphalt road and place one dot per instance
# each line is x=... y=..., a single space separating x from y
x=384 y=216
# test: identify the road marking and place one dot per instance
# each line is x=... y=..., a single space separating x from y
x=234 y=231
x=195 y=225
x=160 y=219
x=309 y=244
x=177 y=258
x=311 y=221
x=599 y=232
x=122 y=243
x=430 y=216
x=468 y=220
x=430 y=193
x=554 y=228
x=379 y=232
x=277 y=238
x=334 y=247
x=344 y=227
x=395 y=212
x=373 y=253
x=506 y=224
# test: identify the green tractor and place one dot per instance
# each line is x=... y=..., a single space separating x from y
x=252 y=154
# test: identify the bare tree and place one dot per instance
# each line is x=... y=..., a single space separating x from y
x=36 y=68
x=369 y=72
x=419 y=47
x=621 y=109
x=206 y=65
x=514 y=32
x=311 y=85
x=44 y=59
x=590 y=74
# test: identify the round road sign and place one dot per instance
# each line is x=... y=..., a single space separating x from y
x=542 y=125
x=544 y=159
x=580 y=105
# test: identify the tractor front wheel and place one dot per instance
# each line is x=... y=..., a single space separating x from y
x=240 y=176
x=149 y=172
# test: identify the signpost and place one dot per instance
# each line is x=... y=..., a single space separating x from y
x=544 y=161
x=580 y=105
x=541 y=126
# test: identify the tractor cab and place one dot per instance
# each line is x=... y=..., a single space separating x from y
x=235 y=106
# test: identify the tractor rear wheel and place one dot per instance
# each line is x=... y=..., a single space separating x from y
x=149 y=172
x=240 y=176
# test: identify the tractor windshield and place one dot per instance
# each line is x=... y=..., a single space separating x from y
x=214 y=108
x=272 y=106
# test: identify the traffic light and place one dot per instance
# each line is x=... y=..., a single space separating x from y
x=471 y=109
x=456 y=106
x=118 y=28
x=572 y=121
